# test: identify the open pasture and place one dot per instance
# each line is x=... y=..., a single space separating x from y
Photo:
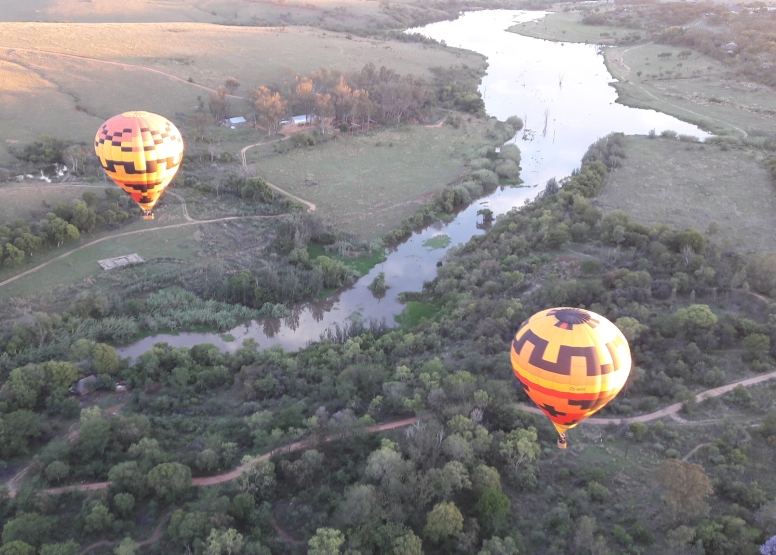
x=63 y=80
x=692 y=185
x=696 y=88
x=332 y=13
x=568 y=27
x=367 y=183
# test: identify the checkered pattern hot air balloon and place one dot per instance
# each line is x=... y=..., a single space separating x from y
x=570 y=362
x=141 y=152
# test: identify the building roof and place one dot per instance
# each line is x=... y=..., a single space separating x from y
x=85 y=385
x=238 y=119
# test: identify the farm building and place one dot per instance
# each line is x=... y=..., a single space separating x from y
x=236 y=122
x=296 y=120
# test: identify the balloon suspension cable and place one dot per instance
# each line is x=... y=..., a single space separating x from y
x=561 y=441
x=148 y=215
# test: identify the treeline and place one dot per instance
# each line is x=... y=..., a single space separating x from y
x=358 y=98
x=65 y=223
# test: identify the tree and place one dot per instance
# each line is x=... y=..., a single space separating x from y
x=16 y=430
x=98 y=518
x=229 y=542
x=520 y=449
x=29 y=528
x=326 y=541
x=126 y=547
x=304 y=95
x=687 y=487
x=408 y=544
x=231 y=84
x=94 y=435
x=17 y=548
x=13 y=256
x=497 y=546
x=585 y=530
x=443 y=521
x=493 y=506
x=67 y=548
x=207 y=460
x=105 y=360
x=256 y=189
x=269 y=107
x=200 y=122
x=57 y=471
x=258 y=477
x=485 y=477
x=219 y=105
x=127 y=477
x=124 y=503
x=170 y=480
x=639 y=430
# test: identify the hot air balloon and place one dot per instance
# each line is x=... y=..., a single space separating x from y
x=141 y=152
x=571 y=362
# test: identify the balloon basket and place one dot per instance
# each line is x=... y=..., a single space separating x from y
x=148 y=216
x=562 y=442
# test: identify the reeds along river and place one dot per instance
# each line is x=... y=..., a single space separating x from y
x=562 y=92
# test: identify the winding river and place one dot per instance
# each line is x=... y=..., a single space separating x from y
x=562 y=92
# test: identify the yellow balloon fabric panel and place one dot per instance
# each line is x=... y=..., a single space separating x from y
x=571 y=362
x=141 y=152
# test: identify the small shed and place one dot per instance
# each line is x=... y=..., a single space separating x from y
x=236 y=122
x=126 y=260
x=84 y=385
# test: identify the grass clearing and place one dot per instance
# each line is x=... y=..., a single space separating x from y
x=361 y=264
x=414 y=312
x=705 y=92
x=366 y=184
x=568 y=27
x=692 y=185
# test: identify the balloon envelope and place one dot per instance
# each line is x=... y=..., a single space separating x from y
x=141 y=152
x=571 y=362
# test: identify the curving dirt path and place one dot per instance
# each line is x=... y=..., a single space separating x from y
x=233 y=474
x=310 y=205
x=671 y=410
x=190 y=221
x=119 y=64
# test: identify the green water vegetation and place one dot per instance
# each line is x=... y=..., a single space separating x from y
x=476 y=474
x=437 y=242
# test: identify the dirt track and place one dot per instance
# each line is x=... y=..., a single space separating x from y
x=670 y=411
x=190 y=221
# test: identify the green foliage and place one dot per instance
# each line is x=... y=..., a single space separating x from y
x=98 y=518
x=326 y=541
x=170 y=481
x=30 y=528
x=443 y=521
x=17 y=547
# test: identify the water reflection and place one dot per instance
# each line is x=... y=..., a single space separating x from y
x=561 y=90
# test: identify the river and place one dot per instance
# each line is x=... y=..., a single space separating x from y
x=562 y=92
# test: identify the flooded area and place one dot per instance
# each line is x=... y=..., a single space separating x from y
x=560 y=90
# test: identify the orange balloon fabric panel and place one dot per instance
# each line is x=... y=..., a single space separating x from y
x=141 y=152
x=571 y=362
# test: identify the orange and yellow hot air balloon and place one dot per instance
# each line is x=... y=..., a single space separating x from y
x=141 y=152
x=571 y=362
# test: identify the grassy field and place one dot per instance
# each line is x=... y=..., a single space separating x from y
x=706 y=89
x=690 y=185
x=365 y=184
x=346 y=13
x=63 y=80
x=568 y=27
